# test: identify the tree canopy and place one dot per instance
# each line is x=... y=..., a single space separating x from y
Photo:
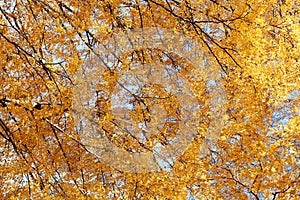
x=251 y=46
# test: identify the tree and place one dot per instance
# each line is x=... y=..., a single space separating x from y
x=253 y=45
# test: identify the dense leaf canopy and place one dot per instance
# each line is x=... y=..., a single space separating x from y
x=252 y=45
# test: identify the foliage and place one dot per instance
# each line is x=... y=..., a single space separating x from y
x=254 y=44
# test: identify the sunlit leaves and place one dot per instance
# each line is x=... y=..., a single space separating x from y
x=254 y=44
